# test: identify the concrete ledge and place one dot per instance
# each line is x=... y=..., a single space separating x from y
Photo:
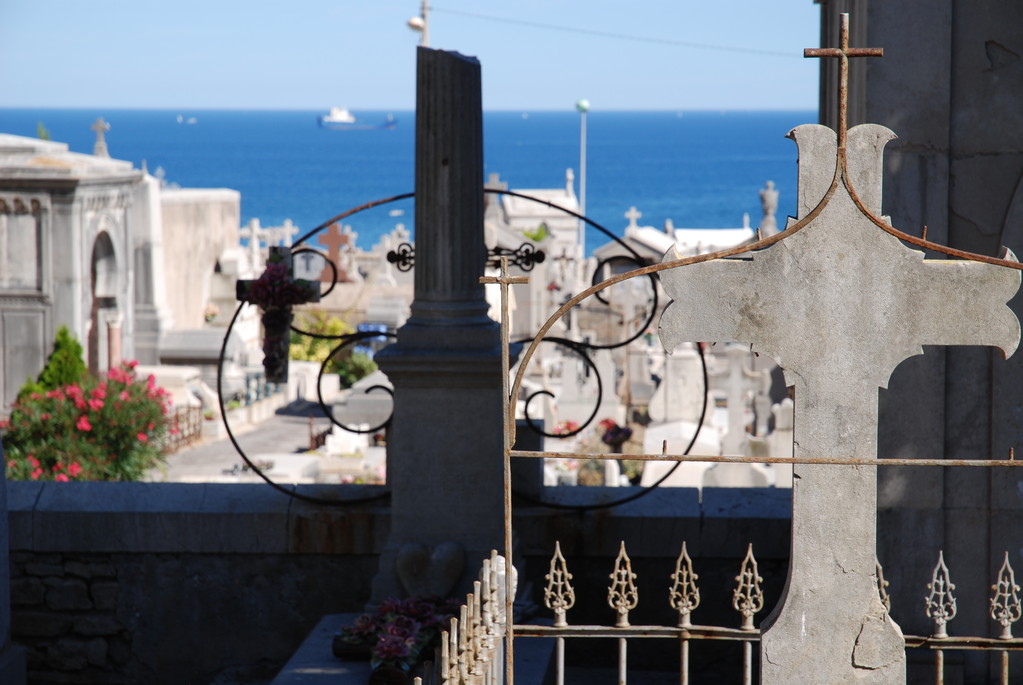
x=314 y=661
x=197 y=518
x=217 y=518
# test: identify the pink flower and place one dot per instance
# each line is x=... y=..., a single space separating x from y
x=32 y=460
x=12 y=464
x=44 y=416
x=143 y=437
x=95 y=405
x=124 y=396
x=61 y=478
x=36 y=474
x=83 y=424
x=74 y=469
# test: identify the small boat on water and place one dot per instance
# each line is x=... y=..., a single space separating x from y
x=341 y=119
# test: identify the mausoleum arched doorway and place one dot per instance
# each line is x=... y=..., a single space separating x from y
x=103 y=278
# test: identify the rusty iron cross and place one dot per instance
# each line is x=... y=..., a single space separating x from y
x=335 y=240
x=843 y=52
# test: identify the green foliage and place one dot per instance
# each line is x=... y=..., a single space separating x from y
x=538 y=234
x=348 y=364
x=64 y=366
x=96 y=429
x=41 y=132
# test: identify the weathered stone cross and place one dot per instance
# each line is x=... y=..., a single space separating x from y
x=100 y=148
x=839 y=303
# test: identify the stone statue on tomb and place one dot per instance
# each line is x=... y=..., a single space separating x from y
x=769 y=203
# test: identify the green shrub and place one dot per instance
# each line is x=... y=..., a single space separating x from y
x=64 y=366
x=348 y=364
x=96 y=429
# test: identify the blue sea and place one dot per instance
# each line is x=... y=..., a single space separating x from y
x=700 y=169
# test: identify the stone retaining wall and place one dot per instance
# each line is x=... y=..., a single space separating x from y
x=171 y=584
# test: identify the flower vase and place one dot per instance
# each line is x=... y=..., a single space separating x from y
x=276 y=343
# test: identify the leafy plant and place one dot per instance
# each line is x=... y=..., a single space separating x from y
x=96 y=429
x=326 y=333
x=64 y=366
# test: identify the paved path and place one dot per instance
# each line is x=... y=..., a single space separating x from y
x=285 y=433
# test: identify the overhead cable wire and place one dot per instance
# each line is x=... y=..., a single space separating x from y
x=617 y=36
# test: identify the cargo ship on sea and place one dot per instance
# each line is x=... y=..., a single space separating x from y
x=341 y=119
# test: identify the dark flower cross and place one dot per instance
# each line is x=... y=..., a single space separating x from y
x=275 y=292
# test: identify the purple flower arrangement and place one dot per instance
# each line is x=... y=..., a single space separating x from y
x=399 y=634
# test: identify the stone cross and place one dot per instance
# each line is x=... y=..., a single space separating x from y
x=281 y=235
x=275 y=292
x=255 y=233
x=839 y=303
x=100 y=148
x=334 y=240
x=633 y=215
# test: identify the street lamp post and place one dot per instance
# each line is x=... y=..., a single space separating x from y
x=583 y=106
x=422 y=24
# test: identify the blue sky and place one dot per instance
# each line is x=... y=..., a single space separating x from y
x=312 y=54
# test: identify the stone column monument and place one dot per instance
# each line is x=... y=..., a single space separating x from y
x=444 y=452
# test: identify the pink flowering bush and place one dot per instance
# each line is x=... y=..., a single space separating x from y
x=400 y=633
x=96 y=429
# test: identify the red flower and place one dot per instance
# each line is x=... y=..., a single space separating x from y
x=36 y=474
x=74 y=469
x=83 y=424
x=143 y=437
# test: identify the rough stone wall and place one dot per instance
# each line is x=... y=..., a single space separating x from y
x=163 y=584
x=123 y=619
x=170 y=584
x=64 y=613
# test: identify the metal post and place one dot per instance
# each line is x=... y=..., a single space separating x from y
x=684 y=668
x=939 y=667
x=559 y=657
x=747 y=663
x=583 y=106
x=622 y=655
x=1005 y=667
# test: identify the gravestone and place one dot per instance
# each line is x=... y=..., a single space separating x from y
x=839 y=302
x=445 y=366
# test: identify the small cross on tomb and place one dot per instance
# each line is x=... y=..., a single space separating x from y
x=100 y=148
x=281 y=235
x=504 y=280
x=254 y=232
x=335 y=240
x=275 y=292
x=633 y=215
x=839 y=303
